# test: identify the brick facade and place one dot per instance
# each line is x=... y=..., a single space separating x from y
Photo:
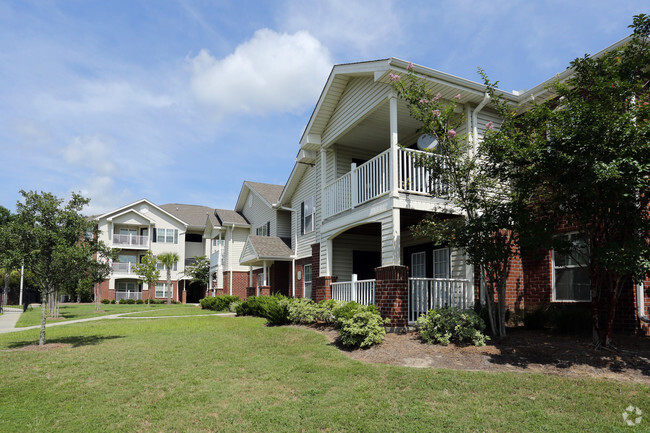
x=239 y=283
x=391 y=294
x=321 y=288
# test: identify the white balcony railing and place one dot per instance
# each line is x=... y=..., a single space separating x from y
x=362 y=291
x=428 y=293
x=128 y=295
x=130 y=240
x=123 y=268
x=371 y=180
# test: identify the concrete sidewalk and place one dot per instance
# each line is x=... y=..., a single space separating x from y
x=10 y=326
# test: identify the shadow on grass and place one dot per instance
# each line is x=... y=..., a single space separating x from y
x=522 y=348
x=77 y=341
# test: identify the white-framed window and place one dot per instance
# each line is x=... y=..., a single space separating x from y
x=165 y=236
x=126 y=258
x=218 y=242
x=419 y=265
x=571 y=280
x=308 y=213
x=128 y=286
x=307 y=280
x=263 y=230
x=162 y=267
x=441 y=263
x=128 y=231
x=161 y=290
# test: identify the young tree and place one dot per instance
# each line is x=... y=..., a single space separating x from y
x=52 y=240
x=483 y=225
x=100 y=269
x=582 y=158
x=148 y=271
x=8 y=258
x=168 y=260
x=199 y=271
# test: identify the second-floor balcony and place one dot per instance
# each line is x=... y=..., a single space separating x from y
x=372 y=180
x=130 y=240
x=123 y=268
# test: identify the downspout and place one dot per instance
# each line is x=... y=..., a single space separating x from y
x=486 y=99
x=640 y=303
x=232 y=232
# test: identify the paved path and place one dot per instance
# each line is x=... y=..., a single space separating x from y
x=7 y=324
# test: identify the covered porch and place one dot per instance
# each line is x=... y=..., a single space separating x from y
x=275 y=265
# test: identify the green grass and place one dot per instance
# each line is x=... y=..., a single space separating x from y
x=84 y=311
x=179 y=310
x=199 y=374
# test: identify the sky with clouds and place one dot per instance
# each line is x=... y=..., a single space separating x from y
x=181 y=101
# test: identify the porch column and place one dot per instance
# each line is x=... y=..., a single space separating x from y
x=393 y=148
x=266 y=283
x=250 y=276
x=323 y=179
x=391 y=294
x=397 y=238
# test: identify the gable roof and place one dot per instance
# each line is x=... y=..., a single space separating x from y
x=226 y=216
x=267 y=192
x=260 y=248
x=193 y=215
x=125 y=208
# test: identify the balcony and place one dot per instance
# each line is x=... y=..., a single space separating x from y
x=133 y=241
x=371 y=180
x=123 y=268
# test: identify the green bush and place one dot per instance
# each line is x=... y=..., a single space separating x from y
x=106 y=301
x=345 y=311
x=139 y=301
x=362 y=329
x=112 y=301
x=130 y=301
x=218 y=303
x=303 y=311
x=157 y=301
x=233 y=306
x=273 y=308
x=122 y=301
x=441 y=326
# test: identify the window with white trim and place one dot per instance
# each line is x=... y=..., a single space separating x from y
x=128 y=286
x=571 y=280
x=419 y=265
x=162 y=267
x=308 y=215
x=165 y=236
x=161 y=290
x=263 y=230
x=307 y=280
x=441 y=263
x=218 y=242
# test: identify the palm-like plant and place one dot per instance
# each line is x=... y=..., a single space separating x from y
x=168 y=260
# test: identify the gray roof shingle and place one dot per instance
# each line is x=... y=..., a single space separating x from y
x=269 y=192
x=270 y=246
x=230 y=217
x=193 y=215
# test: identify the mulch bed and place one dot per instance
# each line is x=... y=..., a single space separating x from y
x=522 y=351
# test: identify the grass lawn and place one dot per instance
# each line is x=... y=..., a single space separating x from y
x=83 y=311
x=200 y=374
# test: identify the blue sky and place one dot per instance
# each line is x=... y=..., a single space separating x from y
x=181 y=101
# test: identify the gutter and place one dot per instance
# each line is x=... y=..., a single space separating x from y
x=640 y=303
x=486 y=99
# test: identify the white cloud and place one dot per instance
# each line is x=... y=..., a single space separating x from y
x=91 y=152
x=271 y=72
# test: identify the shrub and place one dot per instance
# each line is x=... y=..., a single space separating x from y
x=106 y=301
x=303 y=311
x=441 y=326
x=233 y=306
x=112 y=301
x=122 y=301
x=272 y=308
x=362 y=329
x=130 y=301
x=139 y=301
x=218 y=303
x=345 y=311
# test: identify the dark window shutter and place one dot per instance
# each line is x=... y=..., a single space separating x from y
x=175 y=236
x=155 y=233
x=302 y=218
x=268 y=228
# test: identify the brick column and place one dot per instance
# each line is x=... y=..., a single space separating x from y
x=265 y=291
x=184 y=300
x=391 y=294
x=315 y=261
x=322 y=288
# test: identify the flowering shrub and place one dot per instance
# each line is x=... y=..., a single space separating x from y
x=363 y=329
x=447 y=324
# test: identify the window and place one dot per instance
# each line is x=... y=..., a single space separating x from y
x=127 y=231
x=307 y=215
x=307 y=272
x=193 y=237
x=419 y=265
x=166 y=236
x=161 y=290
x=570 y=275
x=218 y=242
x=161 y=267
x=264 y=230
x=441 y=263
x=128 y=286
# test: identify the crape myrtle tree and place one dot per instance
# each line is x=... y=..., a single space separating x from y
x=582 y=157
x=478 y=217
x=54 y=242
x=148 y=271
x=168 y=260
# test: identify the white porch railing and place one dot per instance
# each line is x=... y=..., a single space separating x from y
x=123 y=268
x=362 y=291
x=372 y=179
x=428 y=293
x=128 y=295
x=130 y=240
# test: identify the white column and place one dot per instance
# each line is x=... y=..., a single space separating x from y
x=323 y=180
x=265 y=282
x=353 y=285
x=250 y=276
x=327 y=257
x=22 y=274
x=393 y=148
x=396 y=235
x=293 y=278
x=354 y=185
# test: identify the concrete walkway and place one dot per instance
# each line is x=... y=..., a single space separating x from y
x=7 y=324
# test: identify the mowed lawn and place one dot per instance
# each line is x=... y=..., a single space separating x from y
x=32 y=317
x=233 y=374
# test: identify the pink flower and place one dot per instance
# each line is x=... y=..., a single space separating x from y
x=393 y=77
x=438 y=96
x=457 y=97
x=436 y=113
x=489 y=125
x=410 y=66
x=424 y=101
x=452 y=133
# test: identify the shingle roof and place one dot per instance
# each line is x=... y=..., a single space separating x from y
x=193 y=215
x=230 y=217
x=269 y=192
x=270 y=247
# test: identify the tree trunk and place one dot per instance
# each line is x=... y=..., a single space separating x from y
x=41 y=340
x=96 y=290
x=614 y=294
x=169 y=286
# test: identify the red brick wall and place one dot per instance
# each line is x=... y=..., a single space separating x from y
x=239 y=283
x=300 y=283
x=538 y=280
x=391 y=294
x=321 y=288
x=315 y=261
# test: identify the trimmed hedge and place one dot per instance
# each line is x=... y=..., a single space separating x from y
x=218 y=303
x=443 y=325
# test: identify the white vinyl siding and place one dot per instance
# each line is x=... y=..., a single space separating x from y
x=234 y=249
x=309 y=185
x=284 y=224
x=260 y=213
x=307 y=213
x=343 y=247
